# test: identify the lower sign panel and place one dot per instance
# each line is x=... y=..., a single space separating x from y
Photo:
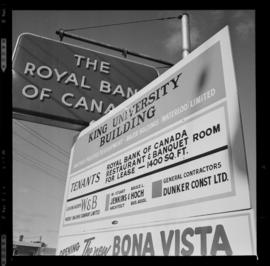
x=211 y=235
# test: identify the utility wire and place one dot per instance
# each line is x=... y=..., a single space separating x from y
x=39 y=166
x=43 y=139
x=121 y=23
x=56 y=174
x=34 y=189
x=18 y=135
x=23 y=160
x=42 y=164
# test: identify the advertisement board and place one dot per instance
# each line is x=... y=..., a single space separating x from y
x=69 y=86
x=172 y=151
x=212 y=235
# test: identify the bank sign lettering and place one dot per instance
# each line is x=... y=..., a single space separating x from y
x=62 y=82
x=174 y=150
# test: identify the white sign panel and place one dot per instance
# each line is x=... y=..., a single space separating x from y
x=211 y=235
x=173 y=150
x=118 y=185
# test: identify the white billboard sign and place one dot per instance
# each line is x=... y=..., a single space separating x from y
x=173 y=150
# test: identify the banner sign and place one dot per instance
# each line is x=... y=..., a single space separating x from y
x=211 y=235
x=57 y=81
x=173 y=150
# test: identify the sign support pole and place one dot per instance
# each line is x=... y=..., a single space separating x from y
x=185 y=35
x=61 y=33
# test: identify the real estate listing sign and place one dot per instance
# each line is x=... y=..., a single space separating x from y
x=173 y=150
x=69 y=86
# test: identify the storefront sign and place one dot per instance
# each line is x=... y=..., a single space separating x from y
x=69 y=85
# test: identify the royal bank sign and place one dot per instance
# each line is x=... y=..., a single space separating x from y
x=63 y=84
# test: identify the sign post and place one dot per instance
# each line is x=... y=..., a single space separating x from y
x=185 y=35
x=173 y=151
x=65 y=85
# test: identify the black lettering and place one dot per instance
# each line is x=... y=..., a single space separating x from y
x=166 y=244
x=116 y=245
x=188 y=244
x=220 y=236
x=203 y=231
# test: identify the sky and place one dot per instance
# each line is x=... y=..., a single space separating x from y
x=41 y=152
